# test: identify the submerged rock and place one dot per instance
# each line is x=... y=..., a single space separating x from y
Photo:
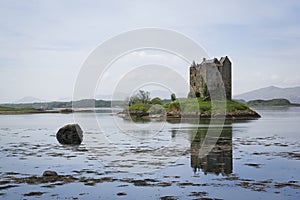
x=70 y=134
x=49 y=173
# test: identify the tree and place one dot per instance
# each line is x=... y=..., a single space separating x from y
x=173 y=97
x=143 y=96
x=140 y=97
x=156 y=100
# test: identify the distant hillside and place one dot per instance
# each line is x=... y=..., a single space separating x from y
x=85 y=103
x=268 y=93
x=273 y=102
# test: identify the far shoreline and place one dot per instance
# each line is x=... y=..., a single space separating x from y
x=28 y=112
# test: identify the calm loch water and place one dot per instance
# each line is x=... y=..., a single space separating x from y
x=258 y=159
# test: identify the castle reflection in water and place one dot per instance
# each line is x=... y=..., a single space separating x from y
x=219 y=159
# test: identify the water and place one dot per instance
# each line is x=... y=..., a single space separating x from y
x=256 y=159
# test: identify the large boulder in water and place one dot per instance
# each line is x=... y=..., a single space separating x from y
x=70 y=134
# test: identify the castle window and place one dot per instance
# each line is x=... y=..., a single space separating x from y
x=194 y=83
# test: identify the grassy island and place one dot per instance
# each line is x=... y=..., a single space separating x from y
x=142 y=107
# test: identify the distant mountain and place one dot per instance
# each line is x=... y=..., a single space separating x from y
x=29 y=99
x=272 y=92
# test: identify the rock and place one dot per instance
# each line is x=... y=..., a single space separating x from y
x=49 y=173
x=121 y=193
x=34 y=194
x=70 y=134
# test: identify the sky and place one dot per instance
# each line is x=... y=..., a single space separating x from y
x=45 y=43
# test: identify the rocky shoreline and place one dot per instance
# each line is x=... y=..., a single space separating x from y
x=144 y=115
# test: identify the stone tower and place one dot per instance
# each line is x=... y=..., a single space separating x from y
x=213 y=74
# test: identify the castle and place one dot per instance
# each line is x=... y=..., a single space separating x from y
x=209 y=77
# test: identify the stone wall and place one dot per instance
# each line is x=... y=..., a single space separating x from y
x=213 y=74
x=226 y=76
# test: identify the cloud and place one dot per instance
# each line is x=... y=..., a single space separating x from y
x=128 y=67
x=53 y=38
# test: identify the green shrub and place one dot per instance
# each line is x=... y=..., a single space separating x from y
x=140 y=97
x=156 y=100
x=166 y=106
x=174 y=105
x=139 y=107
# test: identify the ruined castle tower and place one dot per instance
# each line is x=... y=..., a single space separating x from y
x=210 y=76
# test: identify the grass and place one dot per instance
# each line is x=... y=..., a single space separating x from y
x=195 y=105
x=198 y=105
x=233 y=106
x=139 y=107
x=16 y=109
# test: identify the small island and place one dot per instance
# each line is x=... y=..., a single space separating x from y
x=207 y=79
x=271 y=103
x=141 y=107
